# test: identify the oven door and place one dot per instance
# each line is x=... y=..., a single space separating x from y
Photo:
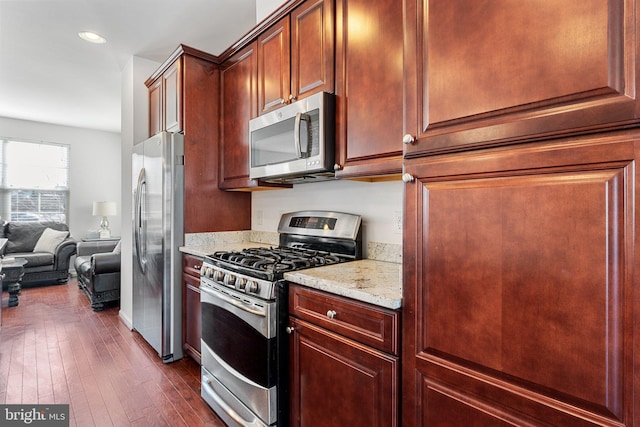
x=239 y=351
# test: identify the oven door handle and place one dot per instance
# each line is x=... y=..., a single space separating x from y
x=232 y=301
x=229 y=410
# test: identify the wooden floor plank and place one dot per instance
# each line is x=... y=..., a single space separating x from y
x=55 y=349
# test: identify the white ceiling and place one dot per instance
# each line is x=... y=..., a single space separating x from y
x=48 y=74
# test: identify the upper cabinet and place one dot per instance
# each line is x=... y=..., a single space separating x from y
x=183 y=97
x=155 y=107
x=482 y=74
x=238 y=101
x=369 y=86
x=296 y=56
x=165 y=100
x=274 y=67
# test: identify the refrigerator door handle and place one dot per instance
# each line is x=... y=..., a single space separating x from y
x=139 y=221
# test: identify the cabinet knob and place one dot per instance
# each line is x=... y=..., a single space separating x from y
x=408 y=139
x=292 y=98
x=337 y=167
x=331 y=314
x=283 y=101
x=407 y=177
x=290 y=329
x=197 y=267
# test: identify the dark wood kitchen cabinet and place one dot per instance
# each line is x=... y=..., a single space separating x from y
x=165 y=100
x=482 y=74
x=192 y=78
x=520 y=285
x=239 y=105
x=344 y=361
x=296 y=56
x=191 y=315
x=155 y=107
x=369 y=87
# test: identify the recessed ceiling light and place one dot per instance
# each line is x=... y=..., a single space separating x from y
x=92 y=37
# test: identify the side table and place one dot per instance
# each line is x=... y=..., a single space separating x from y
x=11 y=273
x=104 y=239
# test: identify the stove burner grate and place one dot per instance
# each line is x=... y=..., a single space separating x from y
x=277 y=260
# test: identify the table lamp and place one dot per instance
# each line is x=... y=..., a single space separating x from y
x=104 y=209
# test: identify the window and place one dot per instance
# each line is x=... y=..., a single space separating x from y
x=34 y=181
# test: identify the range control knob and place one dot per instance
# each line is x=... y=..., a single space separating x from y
x=241 y=283
x=218 y=275
x=253 y=287
x=203 y=270
x=208 y=273
x=229 y=279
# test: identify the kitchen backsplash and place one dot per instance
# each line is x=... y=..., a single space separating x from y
x=379 y=203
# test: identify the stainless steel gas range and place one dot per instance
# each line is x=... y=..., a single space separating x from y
x=244 y=314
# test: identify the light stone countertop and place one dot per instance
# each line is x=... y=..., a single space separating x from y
x=367 y=280
x=377 y=281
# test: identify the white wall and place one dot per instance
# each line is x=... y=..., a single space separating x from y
x=94 y=173
x=265 y=7
x=135 y=128
x=379 y=203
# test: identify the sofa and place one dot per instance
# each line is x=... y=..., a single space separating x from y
x=98 y=267
x=47 y=247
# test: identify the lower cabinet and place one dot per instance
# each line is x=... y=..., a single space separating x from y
x=191 y=316
x=344 y=361
x=520 y=285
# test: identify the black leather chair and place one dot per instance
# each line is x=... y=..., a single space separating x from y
x=98 y=267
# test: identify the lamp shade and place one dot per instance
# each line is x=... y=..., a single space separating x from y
x=104 y=208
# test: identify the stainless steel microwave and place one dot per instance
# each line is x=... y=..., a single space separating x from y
x=295 y=143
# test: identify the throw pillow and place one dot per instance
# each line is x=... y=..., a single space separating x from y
x=116 y=250
x=50 y=240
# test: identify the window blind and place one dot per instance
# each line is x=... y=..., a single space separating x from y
x=34 y=181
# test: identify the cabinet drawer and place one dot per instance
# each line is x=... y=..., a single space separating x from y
x=368 y=324
x=191 y=265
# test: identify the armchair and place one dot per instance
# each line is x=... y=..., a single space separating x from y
x=98 y=267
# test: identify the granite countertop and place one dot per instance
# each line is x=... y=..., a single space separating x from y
x=367 y=280
x=377 y=281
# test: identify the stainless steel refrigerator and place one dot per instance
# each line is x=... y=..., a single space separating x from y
x=158 y=232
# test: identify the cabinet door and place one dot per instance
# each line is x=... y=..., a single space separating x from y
x=172 y=100
x=155 y=108
x=273 y=67
x=339 y=382
x=238 y=107
x=312 y=48
x=191 y=316
x=369 y=84
x=518 y=277
x=192 y=326
x=491 y=73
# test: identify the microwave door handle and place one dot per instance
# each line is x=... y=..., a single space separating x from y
x=296 y=132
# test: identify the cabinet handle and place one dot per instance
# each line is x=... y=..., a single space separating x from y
x=290 y=329
x=407 y=177
x=331 y=314
x=408 y=139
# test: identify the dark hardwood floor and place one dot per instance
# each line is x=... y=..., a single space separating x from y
x=55 y=349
